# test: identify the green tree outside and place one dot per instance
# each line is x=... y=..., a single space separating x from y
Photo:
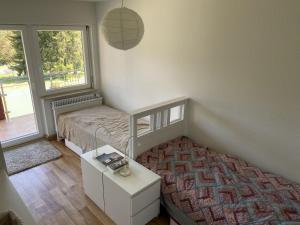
x=7 y=52
x=61 y=51
x=18 y=62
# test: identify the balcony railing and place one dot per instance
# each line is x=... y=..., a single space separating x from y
x=4 y=104
x=64 y=79
x=14 y=85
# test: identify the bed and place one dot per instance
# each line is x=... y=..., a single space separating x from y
x=77 y=120
x=198 y=186
x=108 y=125
x=86 y=123
x=204 y=187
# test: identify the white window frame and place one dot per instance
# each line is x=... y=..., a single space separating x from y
x=86 y=56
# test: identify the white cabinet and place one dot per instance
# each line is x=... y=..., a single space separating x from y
x=92 y=183
x=132 y=200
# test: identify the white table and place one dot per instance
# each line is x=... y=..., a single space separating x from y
x=132 y=200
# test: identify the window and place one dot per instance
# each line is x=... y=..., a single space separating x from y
x=63 y=58
x=176 y=114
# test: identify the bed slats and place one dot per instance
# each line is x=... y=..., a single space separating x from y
x=167 y=121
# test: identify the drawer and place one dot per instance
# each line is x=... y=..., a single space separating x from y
x=145 y=198
x=92 y=183
x=117 y=202
x=147 y=214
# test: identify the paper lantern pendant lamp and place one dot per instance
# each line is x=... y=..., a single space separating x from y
x=123 y=28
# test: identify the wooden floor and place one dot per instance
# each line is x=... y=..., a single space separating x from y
x=17 y=127
x=54 y=194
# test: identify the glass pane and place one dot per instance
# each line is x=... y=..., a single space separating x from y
x=158 y=120
x=175 y=114
x=17 y=117
x=143 y=125
x=62 y=55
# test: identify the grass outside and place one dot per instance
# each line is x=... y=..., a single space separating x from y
x=18 y=93
x=7 y=75
x=18 y=99
x=66 y=80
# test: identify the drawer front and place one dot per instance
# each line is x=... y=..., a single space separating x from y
x=147 y=214
x=145 y=198
x=92 y=183
x=117 y=202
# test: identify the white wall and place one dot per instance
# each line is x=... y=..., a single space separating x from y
x=58 y=12
x=239 y=62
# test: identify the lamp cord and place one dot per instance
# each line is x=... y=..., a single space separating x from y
x=126 y=151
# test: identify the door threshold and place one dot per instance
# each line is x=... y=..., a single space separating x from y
x=21 y=140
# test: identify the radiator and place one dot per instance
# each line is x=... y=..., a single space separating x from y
x=75 y=100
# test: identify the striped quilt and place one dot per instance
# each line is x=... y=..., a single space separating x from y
x=205 y=187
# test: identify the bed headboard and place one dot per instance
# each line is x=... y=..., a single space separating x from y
x=167 y=121
x=74 y=103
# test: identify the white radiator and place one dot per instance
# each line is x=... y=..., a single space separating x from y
x=75 y=100
x=72 y=104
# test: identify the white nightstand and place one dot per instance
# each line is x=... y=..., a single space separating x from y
x=132 y=200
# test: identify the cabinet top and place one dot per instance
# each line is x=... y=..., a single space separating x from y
x=90 y=157
x=140 y=177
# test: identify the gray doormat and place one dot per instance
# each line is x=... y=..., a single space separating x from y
x=28 y=156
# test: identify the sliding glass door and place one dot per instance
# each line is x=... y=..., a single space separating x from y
x=19 y=120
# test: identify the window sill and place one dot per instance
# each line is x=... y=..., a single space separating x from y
x=68 y=94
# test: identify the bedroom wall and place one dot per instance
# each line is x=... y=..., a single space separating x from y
x=56 y=12
x=238 y=61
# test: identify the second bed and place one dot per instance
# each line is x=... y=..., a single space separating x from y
x=201 y=187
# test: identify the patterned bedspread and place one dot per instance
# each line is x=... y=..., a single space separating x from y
x=204 y=187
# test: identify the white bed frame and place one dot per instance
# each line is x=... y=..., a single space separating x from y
x=161 y=127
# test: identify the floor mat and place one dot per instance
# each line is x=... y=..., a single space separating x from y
x=28 y=156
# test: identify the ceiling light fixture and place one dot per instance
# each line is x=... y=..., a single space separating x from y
x=123 y=28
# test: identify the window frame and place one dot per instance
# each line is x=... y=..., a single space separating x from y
x=30 y=59
x=86 y=57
